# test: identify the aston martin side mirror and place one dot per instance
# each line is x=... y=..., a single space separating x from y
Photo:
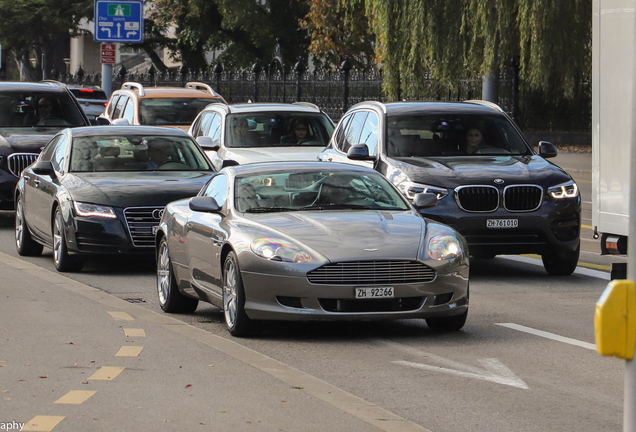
x=204 y=204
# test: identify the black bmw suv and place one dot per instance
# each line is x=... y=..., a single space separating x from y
x=30 y=115
x=491 y=185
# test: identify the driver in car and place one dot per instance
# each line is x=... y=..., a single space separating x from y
x=158 y=153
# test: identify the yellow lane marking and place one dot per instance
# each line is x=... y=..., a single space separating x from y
x=75 y=397
x=134 y=332
x=586 y=226
x=121 y=316
x=129 y=351
x=107 y=373
x=42 y=423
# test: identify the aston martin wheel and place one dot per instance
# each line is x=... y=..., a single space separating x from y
x=61 y=258
x=447 y=324
x=24 y=244
x=237 y=321
x=561 y=264
x=170 y=298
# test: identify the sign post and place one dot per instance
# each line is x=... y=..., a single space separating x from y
x=108 y=60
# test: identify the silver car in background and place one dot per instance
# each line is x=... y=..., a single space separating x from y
x=309 y=241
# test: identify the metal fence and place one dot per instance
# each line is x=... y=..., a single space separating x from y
x=336 y=91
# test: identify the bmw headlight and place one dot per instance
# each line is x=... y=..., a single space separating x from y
x=564 y=190
x=279 y=250
x=444 y=247
x=410 y=189
x=94 y=210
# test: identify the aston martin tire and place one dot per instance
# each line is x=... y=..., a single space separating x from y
x=447 y=324
x=562 y=263
x=24 y=244
x=170 y=298
x=64 y=262
x=237 y=321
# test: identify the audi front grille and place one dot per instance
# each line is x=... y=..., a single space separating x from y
x=17 y=162
x=140 y=222
x=371 y=273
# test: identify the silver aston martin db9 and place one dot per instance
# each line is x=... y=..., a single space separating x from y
x=309 y=241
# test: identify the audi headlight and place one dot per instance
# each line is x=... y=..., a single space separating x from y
x=94 y=210
x=564 y=190
x=279 y=250
x=444 y=247
x=410 y=189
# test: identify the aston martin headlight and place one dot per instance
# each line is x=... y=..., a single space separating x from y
x=444 y=247
x=564 y=190
x=94 y=210
x=279 y=250
x=409 y=189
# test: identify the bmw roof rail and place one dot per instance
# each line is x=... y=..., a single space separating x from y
x=201 y=86
x=485 y=103
x=134 y=86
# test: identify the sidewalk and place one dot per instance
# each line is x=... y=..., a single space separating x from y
x=74 y=358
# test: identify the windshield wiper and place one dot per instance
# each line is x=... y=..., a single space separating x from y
x=268 y=209
x=336 y=206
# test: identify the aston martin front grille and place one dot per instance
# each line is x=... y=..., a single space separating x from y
x=17 y=162
x=140 y=221
x=371 y=273
x=522 y=197
x=477 y=198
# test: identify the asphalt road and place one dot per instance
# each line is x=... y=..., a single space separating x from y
x=524 y=362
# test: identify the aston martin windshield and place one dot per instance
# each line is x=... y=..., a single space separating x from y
x=316 y=190
x=136 y=153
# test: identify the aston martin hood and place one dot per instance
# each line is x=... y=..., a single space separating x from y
x=135 y=189
x=358 y=234
x=461 y=170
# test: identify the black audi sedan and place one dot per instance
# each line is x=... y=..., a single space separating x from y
x=101 y=190
x=30 y=115
x=492 y=187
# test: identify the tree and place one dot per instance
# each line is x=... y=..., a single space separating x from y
x=31 y=28
x=334 y=38
x=246 y=30
x=549 y=41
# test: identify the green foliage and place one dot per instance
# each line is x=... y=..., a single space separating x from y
x=550 y=41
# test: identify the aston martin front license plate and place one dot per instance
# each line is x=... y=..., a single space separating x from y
x=370 y=293
x=502 y=223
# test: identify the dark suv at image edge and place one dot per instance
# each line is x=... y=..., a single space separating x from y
x=491 y=185
x=30 y=115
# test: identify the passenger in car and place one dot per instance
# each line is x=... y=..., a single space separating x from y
x=335 y=189
x=158 y=153
x=84 y=152
x=242 y=136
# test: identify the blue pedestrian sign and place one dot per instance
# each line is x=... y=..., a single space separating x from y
x=119 y=21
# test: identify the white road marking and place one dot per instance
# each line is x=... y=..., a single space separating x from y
x=493 y=370
x=547 y=335
x=579 y=270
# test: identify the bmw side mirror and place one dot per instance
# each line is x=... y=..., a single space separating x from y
x=206 y=143
x=359 y=152
x=547 y=150
x=43 y=168
x=425 y=200
x=204 y=204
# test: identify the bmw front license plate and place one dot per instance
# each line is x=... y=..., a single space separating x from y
x=502 y=223
x=371 y=293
